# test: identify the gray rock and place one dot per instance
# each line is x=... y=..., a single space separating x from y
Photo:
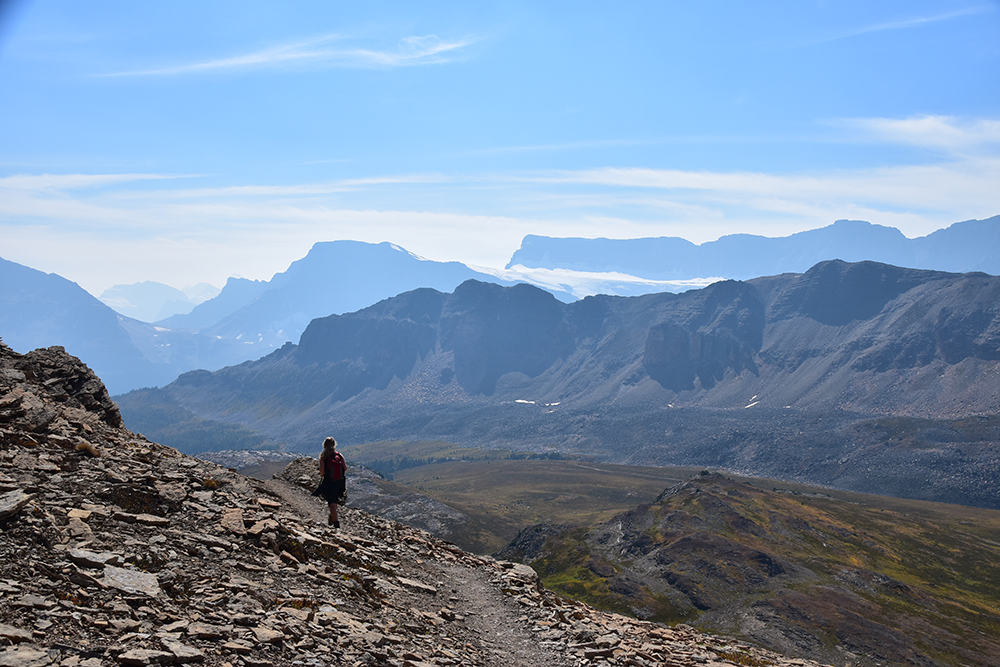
x=142 y=657
x=35 y=602
x=183 y=652
x=267 y=635
x=145 y=519
x=131 y=581
x=209 y=631
x=13 y=502
x=92 y=559
x=24 y=656
x=14 y=635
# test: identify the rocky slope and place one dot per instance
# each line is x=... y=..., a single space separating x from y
x=117 y=550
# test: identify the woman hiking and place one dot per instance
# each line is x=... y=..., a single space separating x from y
x=333 y=488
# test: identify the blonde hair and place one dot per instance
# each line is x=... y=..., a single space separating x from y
x=329 y=447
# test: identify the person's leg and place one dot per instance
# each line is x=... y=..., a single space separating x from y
x=333 y=520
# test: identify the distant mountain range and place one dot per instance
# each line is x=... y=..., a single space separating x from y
x=790 y=376
x=250 y=318
x=150 y=301
x=973 y=245
x=335 y=277
x=246 y=320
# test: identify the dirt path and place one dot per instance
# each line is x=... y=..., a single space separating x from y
x=493 y=618
x=312 y=509
x=493 y=622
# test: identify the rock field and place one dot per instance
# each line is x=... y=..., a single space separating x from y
x=117 y=550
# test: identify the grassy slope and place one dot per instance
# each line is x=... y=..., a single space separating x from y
x=916 y=583
x=505 y=495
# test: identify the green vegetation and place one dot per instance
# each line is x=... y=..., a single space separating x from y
x=505 y=491
x=927 y=570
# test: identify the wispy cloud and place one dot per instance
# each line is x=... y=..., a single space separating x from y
x=915 y=22
x=950 y=134
x=480 y=218
x=289 y=191
x=60 y=182
x=410 y=51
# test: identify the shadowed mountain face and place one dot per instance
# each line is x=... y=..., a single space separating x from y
x=484 y=333
x=769 y=376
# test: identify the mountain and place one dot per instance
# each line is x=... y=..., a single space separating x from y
x=43 y=309
x=118 y=550
x=795 y=376
x=334 y=277
x=151 y=301
x=973 y=245
x=236 y=293
x=802 y=573
x=246 y=320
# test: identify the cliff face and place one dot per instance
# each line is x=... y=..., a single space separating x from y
x=117 y=550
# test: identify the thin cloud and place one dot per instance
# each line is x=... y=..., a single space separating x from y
x=908 y=23
x=59 y=182
x=291 y=191
x=411 y=51
x=936 y=132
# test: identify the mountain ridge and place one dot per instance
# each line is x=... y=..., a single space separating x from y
x=244 y=321
x=737 y=375
x=960 y=248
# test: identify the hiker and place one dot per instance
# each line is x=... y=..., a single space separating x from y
x=333 y=488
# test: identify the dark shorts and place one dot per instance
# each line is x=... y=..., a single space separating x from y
x=331 y=490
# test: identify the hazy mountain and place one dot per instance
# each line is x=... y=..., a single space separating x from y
x=334 y=277
x=246 y=320
x=739 y=374
x=43 y=309
x=40 y=310
x=151 y=301
x=236 y=293
x=973 y=245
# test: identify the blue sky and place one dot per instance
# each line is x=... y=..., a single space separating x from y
x=185 y=142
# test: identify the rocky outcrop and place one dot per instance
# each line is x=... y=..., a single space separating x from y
x=117 y=550
x=53 y=392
